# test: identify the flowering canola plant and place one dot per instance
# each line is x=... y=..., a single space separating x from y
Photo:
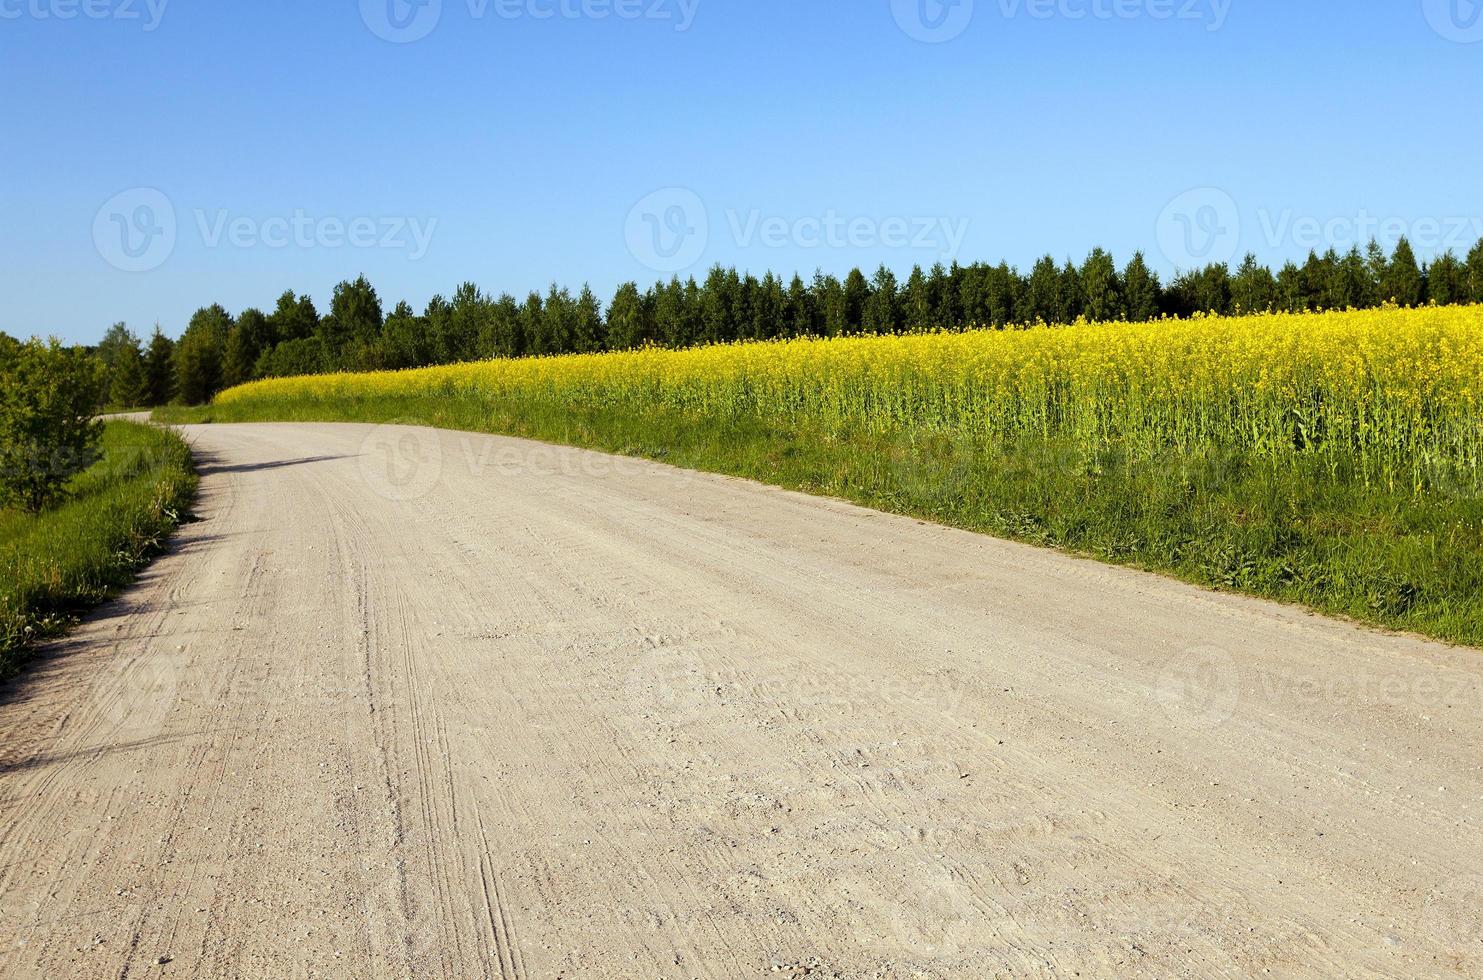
x=1397 y=392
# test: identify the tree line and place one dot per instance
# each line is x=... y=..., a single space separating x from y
x=218 y=350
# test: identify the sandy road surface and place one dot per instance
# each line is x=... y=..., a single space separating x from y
x=408 y=703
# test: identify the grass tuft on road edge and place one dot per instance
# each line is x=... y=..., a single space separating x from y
x=57 y=564
x=1292 y=529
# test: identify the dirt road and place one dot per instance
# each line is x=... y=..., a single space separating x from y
x=407 y=703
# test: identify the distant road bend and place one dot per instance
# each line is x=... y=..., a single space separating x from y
x=408 y=703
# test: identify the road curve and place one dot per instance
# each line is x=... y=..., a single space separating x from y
x=410 y=703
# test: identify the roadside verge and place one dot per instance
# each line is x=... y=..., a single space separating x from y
x=58 y=564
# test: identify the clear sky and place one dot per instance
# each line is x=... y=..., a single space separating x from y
x=159 y=155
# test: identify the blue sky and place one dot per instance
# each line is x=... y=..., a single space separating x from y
x=520 y=142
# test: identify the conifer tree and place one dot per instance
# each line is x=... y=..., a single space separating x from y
x=1475 y=274
x=1101 y=289
x=1042 y=292
x=916 y=302
x=1402 y=281
x=159 y=369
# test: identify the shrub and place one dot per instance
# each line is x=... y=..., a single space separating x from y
x=48 y=397
x=55 y=565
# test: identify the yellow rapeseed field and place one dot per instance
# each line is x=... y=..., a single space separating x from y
x=1398 y=392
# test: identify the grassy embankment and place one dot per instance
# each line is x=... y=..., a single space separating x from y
x=56 y=564
x=1327 y=460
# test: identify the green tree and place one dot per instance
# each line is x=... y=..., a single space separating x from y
x=1356 y=286
x=405 y=341
x=671 y=319
x=502 y=336
x=1475 y=274
x=943 y=295
x=1402 y=281
x=49 y=395
x=968 y=283
x=122 y=358
x=690 y=309
x=1379 y=269
x=829 y=297
x=589 y=330
x=883 y=309
x=769 y=308
x=435 y=317
x=294 y=318
x=1101 y=290
x=630 y=323
x=1205 y=291
x=159 y=369
x=1290 y=296
x=127 y=384
x=1318 y=277
x=303 y=355
x=916 y=302
x=530 y=322
x=803 y=318
x=718 y=306
x=1447 y=281
x=1141 y=290
x=746 y=301
x=249 y=336
x=1002 y=295
x=198 y=356
x=856 y=296
x=1213 y=289
x=1254 y=288
x=354 y=319
x=1068 y=294
x=1042 y=291
x=456 y=336
x=557 y=326
x=116 y=339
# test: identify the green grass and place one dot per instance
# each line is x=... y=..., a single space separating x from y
x=1290 y=528
x=57 y=564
